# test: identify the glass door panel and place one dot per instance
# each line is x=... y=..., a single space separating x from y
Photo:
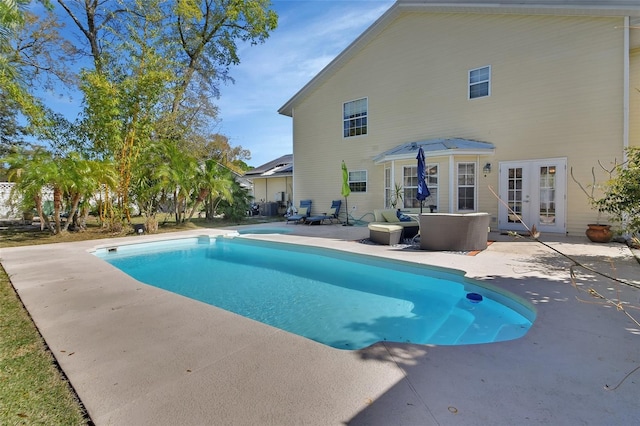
x=533 y=193
x=547 y=185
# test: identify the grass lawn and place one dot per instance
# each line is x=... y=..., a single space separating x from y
x=32 y=388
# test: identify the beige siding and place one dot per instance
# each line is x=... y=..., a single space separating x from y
x=266 y=189
x=556 y=91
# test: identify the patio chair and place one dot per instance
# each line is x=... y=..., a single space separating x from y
x=304 y=211
x=331 y=215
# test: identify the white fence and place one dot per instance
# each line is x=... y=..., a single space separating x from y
x=11 y=210
x=7 y=211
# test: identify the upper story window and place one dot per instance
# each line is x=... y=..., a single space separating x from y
x=354 y=116
x=358 y=181
x=480 y=82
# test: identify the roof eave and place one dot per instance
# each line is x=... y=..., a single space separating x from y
x=533 y=8
x=263 y=176
x=432 y=154
x=287 y=108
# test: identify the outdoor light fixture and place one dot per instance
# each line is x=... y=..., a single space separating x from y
x=487 y=169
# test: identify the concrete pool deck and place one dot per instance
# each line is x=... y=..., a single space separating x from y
x=138 y=355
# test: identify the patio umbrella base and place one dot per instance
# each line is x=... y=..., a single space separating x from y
x=347 y=224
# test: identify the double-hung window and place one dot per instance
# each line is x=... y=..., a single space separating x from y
x=354 y=118
x=358 y=181
x=410 y=184
x=479 y=82
x=387 y=187
x=432 y=184
x=466 y=186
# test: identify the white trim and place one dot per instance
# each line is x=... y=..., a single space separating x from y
x=452 y=182
x=625 y=95
x=437 y=197
x=384 y=177
x=469 y=84
x=366 y=99
x=475 y=186
x=560 y=227
x=293 y=155
x=366 y=180
x=520 y=7
x=393 y=175
x=433 y=154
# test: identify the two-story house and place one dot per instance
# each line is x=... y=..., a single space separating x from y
x=503 y=97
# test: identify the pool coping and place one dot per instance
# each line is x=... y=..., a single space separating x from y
x=139 y=355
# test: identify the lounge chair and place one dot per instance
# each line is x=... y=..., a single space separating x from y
x=331 y=215
x=390 y=217
x=304 y=211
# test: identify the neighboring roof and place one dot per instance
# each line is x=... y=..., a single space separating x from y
x=282 y=166
x=616 y=8
x=436 y=148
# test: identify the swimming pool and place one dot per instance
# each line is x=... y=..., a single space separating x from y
x=343 y=300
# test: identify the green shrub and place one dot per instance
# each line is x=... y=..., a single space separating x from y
x=622 y=194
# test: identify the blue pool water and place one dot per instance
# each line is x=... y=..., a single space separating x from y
x=343 y=300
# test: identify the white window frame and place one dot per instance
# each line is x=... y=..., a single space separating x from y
x=387 y=187
x=433 y=187
x=407 y=200
x=465 y=185
x=476 y=83
x=347 y=120
x=357 y=182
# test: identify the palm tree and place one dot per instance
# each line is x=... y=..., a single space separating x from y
x=178 y=173
x=28 y=169
x=210 y=180
x=69 y=177
x=83 y=179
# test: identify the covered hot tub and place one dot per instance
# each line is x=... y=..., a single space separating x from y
x=454 y=232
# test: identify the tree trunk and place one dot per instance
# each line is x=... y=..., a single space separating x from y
x=74 y=208
x=37 y=199
x=57 y=207
x=202 y=195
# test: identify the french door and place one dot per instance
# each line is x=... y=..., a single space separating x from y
x=535 y=192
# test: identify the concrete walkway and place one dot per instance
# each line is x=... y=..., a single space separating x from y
x=138 y=355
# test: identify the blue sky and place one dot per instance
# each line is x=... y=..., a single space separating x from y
x=310 y=34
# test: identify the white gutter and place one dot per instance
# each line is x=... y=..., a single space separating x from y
x=433 y=154
x=293 y=157
x=452 y=187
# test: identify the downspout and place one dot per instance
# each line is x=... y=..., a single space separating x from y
x=293 y=157
x=626 y=83
x=626 y=96
x=477 y=186
x=452 y=181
